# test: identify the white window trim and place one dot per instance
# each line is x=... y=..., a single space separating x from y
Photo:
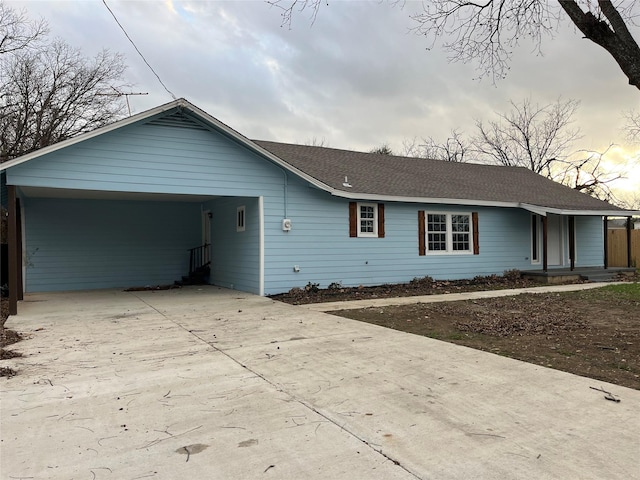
x=241 y=220
x=375 y=220
x=449 y=250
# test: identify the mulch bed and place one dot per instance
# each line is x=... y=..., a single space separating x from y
x=418 y=286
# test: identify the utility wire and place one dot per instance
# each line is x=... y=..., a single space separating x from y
x=137 y=50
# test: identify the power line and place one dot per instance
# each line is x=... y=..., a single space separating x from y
x=137 y=50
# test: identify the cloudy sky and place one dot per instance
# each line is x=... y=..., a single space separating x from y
x=355 y=79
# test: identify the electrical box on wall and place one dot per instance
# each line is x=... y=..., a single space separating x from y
x=286 y=224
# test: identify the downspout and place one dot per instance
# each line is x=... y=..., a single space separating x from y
x=285 y=187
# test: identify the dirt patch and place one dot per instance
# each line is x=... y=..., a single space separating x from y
x=418 y=286
x=593 y=333
x=7 y=337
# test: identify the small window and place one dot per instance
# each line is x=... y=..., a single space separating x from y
x=366 y=219
x=240 y=219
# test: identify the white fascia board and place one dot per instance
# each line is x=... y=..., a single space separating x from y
x=541 y=210
x=394 y=198
x=94 y=133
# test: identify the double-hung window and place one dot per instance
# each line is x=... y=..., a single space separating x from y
x=366 y=219
x=447 y=233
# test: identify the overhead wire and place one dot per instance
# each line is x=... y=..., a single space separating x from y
x=138 y=50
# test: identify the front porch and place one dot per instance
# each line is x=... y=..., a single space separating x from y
x=562 y=275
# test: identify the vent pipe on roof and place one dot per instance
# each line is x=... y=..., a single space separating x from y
x=346 y=182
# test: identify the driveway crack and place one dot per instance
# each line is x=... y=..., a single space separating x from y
x=278 y=388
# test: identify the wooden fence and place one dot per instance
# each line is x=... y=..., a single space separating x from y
x=617 y=250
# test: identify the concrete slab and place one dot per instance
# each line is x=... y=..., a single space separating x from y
x=451 y=297
x=211 y=383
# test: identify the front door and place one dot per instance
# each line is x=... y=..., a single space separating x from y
x=554 y=240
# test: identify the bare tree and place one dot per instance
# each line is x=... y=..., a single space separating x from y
x=631 y=201
x=454 y=149
x=383 y=149
x=487 y=32
x=632 y=126
x=17 y=32
x=586 y=174
x=529 y=135
x=53 y=92
x=317 y=142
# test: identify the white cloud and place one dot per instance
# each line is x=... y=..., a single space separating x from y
x=356 y=77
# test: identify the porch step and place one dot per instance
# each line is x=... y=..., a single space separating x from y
x=200 y=276
x=600 y=277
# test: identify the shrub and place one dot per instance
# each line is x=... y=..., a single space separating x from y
x=312 y=287
x=512 y=275
x=426 y=280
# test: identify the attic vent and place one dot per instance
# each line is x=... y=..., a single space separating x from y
x=177 y=120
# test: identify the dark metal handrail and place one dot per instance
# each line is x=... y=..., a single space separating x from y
x=199 y=257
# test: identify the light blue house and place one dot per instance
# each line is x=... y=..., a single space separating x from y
x=123 y=206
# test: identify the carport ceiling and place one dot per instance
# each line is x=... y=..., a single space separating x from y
x=109 y=195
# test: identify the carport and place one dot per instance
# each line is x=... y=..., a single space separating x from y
x=124 y=205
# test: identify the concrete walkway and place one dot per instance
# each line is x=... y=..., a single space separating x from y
x=205 y=383
x=451 y=297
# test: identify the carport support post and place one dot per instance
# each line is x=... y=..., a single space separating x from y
x=606 y=242
x=628 y=242
x=545 y=265
x=13 y=250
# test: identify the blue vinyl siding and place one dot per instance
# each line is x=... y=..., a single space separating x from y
x=153 y=159
x=320 y=245
x=235 y=261
x=81 y=243
x=90 y=244
x=589 y=242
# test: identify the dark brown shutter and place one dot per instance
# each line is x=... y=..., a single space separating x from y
x=422 y=247
x=381 y=220
x=353 y=219
x=476 y=233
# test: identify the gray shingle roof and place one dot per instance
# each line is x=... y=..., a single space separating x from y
x=393 y=176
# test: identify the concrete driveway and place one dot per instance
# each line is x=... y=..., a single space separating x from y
x=206 y=383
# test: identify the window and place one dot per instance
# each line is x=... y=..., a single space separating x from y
x=240 y=219
x=447 y=233
x=366 y=219
x=535 y=238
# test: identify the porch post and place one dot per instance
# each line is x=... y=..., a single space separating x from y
x=572 y=241
x=606 y=242
x=545 y=265
x=19 y=245
x=628 y=242
x=13 y=251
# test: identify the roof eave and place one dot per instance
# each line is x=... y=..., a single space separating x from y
x=542 y=210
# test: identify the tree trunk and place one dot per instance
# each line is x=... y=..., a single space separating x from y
x=614 y=36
